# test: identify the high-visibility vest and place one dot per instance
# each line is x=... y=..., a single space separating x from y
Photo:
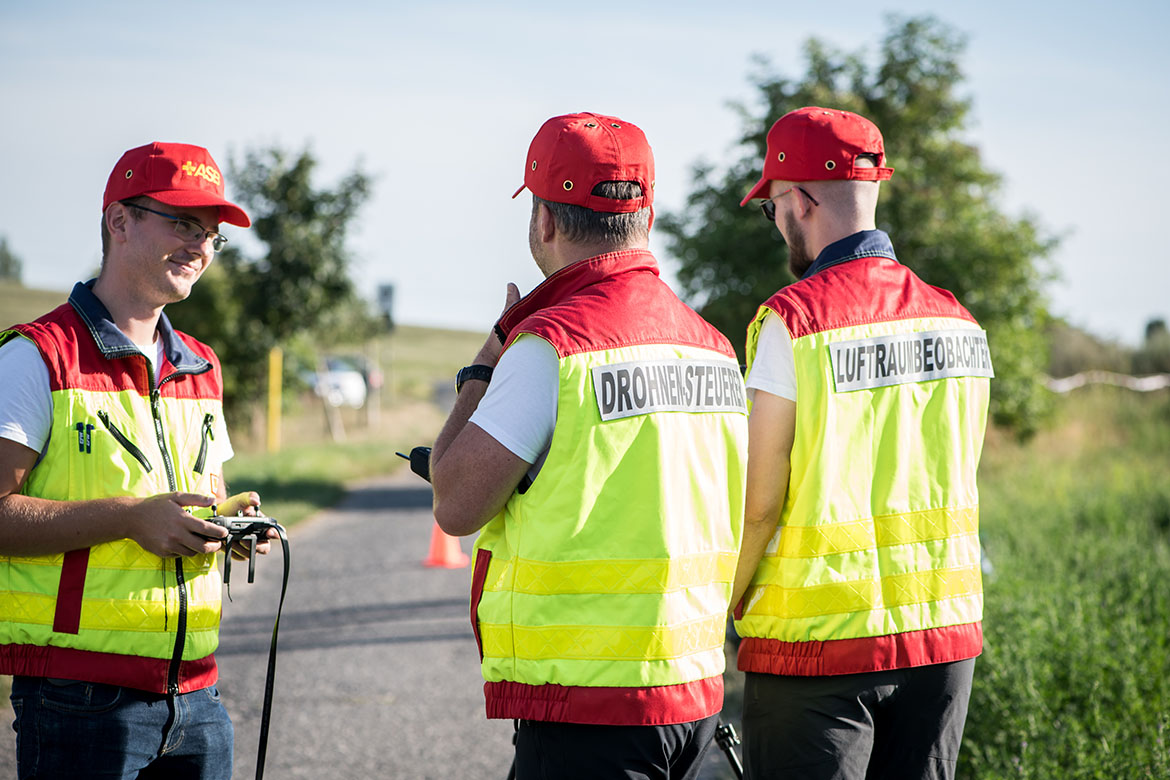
x=600 y=593
x=875 y=563
x=115 y=613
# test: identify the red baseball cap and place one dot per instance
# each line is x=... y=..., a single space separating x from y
x=573 y=153
x=818 y=144
x=174 y=174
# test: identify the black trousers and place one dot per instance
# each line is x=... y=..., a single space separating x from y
x=575 y=751
x=903 y=724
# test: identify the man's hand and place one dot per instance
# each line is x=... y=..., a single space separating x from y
x=248 y=505
x=162 y=525
x=489 y=353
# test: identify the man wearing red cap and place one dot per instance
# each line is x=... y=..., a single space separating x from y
x=111 y=427
x=858 y=592
x=599 y=442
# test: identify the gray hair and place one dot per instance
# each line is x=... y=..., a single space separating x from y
x=586 y=226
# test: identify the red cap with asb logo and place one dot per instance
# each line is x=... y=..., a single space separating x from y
x=571 y=154
x=174 y=174
x=817 y=144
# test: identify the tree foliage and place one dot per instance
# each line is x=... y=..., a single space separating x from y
x=299 y=291
x=10 y=265
x=939 y=208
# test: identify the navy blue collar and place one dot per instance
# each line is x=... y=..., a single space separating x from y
x=113 y=343
x=866 y=243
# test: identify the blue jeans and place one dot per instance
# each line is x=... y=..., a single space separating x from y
x=71 y=729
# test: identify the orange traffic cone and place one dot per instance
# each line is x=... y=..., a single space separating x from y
x=445 y=551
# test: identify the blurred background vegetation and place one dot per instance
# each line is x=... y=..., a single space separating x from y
x=1076 y=487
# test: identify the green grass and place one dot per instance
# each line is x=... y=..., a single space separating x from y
x=307 y=477
x=415 y=358
x=1073 y=682
x=21 y=304
x=311 y=472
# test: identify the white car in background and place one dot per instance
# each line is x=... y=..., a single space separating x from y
x=340 y=384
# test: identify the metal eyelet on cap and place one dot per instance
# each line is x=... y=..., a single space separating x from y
x=614 y=124
x=534 y=165
x=830 y=165
x=129 y=174
x=568 y=185
x=780 y=157
x=591 y=124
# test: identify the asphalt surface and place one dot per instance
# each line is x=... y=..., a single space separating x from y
x=377 y=669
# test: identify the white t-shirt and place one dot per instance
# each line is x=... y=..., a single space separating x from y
x=26 y=403
x=519 y=409
x=774 y=367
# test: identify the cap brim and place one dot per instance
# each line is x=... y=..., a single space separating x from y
x=197 y=199
x=757 y=191
x=517 y=192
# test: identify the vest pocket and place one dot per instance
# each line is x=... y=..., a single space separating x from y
x=128 y=445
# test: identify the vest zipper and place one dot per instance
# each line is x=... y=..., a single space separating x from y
x=208 y=433
x=120 y=437
x=180 y=580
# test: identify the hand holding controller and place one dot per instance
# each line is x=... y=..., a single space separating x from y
x=241 y=529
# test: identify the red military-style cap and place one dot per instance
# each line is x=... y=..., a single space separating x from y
x=817 y=144
x=175 y=174
x=573 y=153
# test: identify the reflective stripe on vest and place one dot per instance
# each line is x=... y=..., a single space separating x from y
x=878 y=534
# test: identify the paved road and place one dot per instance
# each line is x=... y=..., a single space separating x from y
x=377 y=671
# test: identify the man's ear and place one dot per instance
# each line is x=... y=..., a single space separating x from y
x=117 y=216
x=803 y=205
x=546 y=223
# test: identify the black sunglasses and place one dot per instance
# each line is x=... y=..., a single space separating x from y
x=769 y=206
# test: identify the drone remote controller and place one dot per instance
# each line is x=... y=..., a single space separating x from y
x=240 y=529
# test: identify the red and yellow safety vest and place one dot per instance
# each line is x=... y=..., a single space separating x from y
x=115 y=613
x=600 y=593
x=875 y=563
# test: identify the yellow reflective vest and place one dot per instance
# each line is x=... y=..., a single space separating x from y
x=875 y=563
x=115 y=613
x=600 y=592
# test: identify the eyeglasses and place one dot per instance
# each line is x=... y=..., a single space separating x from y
x=769 y=206
x=187 y=229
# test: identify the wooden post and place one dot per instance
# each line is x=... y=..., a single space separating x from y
x=275 y=384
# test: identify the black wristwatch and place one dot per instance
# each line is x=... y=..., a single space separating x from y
x=477 y=371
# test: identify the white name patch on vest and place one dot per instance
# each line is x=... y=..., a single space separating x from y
x=904 y=358
x=645 y=386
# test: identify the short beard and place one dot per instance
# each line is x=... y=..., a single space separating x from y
x=798 y=258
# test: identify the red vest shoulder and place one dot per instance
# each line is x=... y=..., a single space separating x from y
x=625 y=309
x=861 y=292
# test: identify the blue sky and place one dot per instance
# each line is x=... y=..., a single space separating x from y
x=440 y=101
